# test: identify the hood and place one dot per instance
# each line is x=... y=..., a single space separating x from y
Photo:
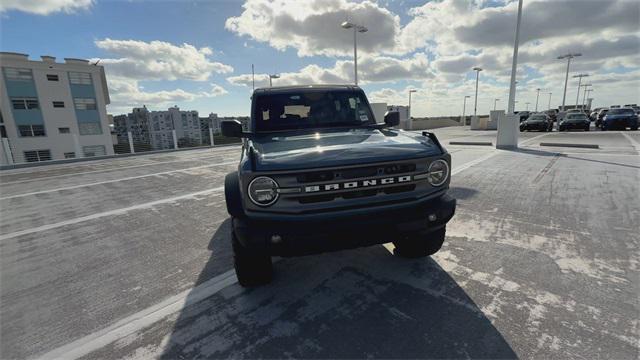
x=325 y=148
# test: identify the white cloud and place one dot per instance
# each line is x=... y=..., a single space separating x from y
x=370 y=70
x=159 y=60
x=313 y=27
x=45 y=7
x=127 y=93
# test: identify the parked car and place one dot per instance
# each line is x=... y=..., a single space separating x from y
x=600 y=116
x=318 y=173
x=537 y=121
x=575 y=121
x=524 y=115
x=620 y=118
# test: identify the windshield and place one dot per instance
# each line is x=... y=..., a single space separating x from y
x=311 y=109
x=537 y=117
x=576 y=117
x=621 y=112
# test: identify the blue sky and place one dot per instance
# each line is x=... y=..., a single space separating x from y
x=411 y=45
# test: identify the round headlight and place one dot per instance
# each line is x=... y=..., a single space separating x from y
x=263 y=191
x=438 y=172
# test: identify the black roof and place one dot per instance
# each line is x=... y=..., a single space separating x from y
x=323 y=87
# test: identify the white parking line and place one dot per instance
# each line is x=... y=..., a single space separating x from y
x=107 y=213
x=112 y=181
x=142 y=319
x=634 y=143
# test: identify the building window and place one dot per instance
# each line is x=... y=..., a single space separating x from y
x=52 y=77
x=90 y=128
x=69 y=155
x=58 y=104
x=80 y=78
x=95 y=150
x=24 y=103
x=15 y=74
x=64 y=130
x=31 y=130
x=37 y=155
x=85 y=103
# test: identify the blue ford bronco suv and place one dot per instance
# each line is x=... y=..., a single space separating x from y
x=317 y=173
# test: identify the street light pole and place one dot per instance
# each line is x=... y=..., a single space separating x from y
x=586 y=94
x=494 y=103
x=464 y=108
x=549 y=105
x=356 y=29
x=584 y=97
x=273 y=76
x=568 y=56
x=537 y=96
x=579 y=76
x=475 y=104
x=409 y=112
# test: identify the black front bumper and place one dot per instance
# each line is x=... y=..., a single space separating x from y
x=289 y=235
x=539 y=127
x=573 y=126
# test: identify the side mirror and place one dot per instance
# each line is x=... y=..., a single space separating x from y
x=231 y=128
x=392 y=118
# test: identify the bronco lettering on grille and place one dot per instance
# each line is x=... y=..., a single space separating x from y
x=357 y=184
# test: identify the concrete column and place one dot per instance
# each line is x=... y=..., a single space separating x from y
x=7 y=151
x=175 y=139
x=76 y=145
x=130 y=137
x=211 y=136
x=508 y=134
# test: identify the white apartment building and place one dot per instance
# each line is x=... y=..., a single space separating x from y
x=52 y=110
x=185 y=123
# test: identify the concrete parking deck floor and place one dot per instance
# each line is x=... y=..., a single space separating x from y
x=130 y=258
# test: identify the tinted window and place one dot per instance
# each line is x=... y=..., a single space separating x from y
x=312 y=109
x=576 y=116
x=621 y=111
x=537 y=117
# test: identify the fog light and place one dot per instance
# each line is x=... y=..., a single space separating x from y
x=276 y=239
x=432 y=217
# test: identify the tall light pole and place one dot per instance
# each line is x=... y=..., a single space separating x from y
x=584 y=97
x=507 y=136
x=549 y=105
x=409 y=112
x=273 y=76
x=494 y=103
x=579 y=76
x=586 y=94
x=537 y=97
x=567 y=56
x=464 y=108
x=475 y=104
x=356 y=29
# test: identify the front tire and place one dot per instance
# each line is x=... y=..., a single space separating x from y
x=419 y=245
x=252 y=268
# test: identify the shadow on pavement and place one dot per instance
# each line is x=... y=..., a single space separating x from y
x=462 y=193
x=352 y=304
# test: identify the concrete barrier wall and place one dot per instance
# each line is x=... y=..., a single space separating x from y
x=435 y=122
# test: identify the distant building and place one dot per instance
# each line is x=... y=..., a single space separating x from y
x=52 y=110
x=136 y=122
x=206 y=123
x=185 y=123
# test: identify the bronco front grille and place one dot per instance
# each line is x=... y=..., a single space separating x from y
x=311 y=199
x=355 y=173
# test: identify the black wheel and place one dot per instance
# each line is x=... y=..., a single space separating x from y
x=232 y=195
x=252 y=268
x=419 y=245
x=634 y=127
